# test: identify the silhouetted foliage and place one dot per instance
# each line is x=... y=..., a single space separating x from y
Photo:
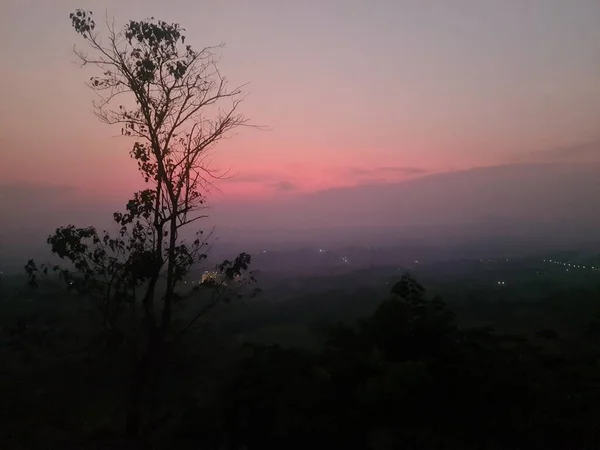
x=173 y=105
x=408 y=377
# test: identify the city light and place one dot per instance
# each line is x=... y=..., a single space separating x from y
x=211 y=276
x=566 y=265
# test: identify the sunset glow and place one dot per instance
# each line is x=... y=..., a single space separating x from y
x=348 y=94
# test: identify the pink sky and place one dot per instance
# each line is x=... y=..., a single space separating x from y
x=355 y=92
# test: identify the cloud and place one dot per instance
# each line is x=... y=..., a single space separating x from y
x=283 y=186
x=382 y=175
x=256 y=177
x=270 y=180
x=308 y=177
x=521 y=200
x=14 y=192
x=389 y=170
x=27 y=205
x=374 y=180
x=577 y=153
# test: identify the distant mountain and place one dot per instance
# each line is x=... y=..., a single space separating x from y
x=585 y=152
x=520 y=205
x=550 y=201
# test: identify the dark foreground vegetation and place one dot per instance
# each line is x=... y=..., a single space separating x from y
x=406 y=376
x=136 y=354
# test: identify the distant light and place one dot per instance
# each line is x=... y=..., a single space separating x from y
x=264 y=251
x=416 y=262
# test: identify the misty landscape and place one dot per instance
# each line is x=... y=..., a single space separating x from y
x=339 y=225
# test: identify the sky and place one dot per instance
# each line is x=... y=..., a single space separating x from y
x=353 y=93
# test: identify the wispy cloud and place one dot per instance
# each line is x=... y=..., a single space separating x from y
x=250 y=177
x=399 y=170
x=283 y=186
x=377 y=172
x=311 y=177
x=270 y=180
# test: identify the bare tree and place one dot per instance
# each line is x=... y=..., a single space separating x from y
x=176 y=106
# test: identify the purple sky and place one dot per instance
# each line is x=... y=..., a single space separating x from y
x=355 y=92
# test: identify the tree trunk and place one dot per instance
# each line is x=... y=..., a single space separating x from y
x=140 y=389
